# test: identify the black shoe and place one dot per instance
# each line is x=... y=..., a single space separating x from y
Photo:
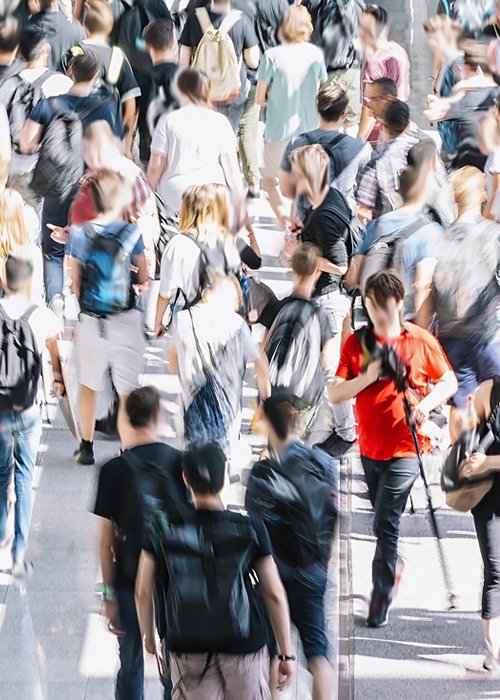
x=378 y=614
x=85 y=453
x=253 y=193
x=336 y=446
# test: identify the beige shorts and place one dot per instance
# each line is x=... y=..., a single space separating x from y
x=227 y=676
x=273 y=155
x=116 y=343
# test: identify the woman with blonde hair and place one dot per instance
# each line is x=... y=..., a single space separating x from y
x=326 y=227
x=205 y=240
x=14 y=236
x=193 y=145
x=289 y=76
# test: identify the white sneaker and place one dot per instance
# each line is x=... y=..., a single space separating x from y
x=491 y=662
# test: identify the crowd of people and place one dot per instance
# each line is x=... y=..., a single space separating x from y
x=132 y=138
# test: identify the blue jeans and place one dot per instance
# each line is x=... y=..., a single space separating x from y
x=20 y=433
x=473 y=362
x=130 y=678
x=54 y=211
x=389 y=485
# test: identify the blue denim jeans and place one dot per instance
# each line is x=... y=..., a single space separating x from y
x=389 y=485
x=130 y=678
x=20 y=433
x=54 y=211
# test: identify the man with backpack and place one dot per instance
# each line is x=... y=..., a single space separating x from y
x=221 y=42
x=159 y=96
x=117 y=78
x=20 y=94
x=106 y=258
x=214 y=625
x=144 y=480
x=298 y=343
x=347 y=155
x=57 y=126
x=300 y=529
x=380 y=364
x=26 y=331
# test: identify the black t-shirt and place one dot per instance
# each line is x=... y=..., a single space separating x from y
x=268 y=17
x=258 y=625
x=125 y=82
x=274 y=307
x=325 y=228
x=159 y=80
x=59 y=33
x=242 y=35
x=467 y=113
x=163 y=466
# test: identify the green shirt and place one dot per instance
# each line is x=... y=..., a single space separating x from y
x=293 y=73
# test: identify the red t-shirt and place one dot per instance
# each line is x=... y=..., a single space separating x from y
x=382 y=430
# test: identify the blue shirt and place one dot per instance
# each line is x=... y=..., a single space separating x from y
x=94 y=106
x=80 y=239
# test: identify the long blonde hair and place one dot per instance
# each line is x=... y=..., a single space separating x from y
x=313 y=163
x=204 y=211
x=13 y=231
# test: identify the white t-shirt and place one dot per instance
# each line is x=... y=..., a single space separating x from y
x=43 y=322
x=192 y=139
x=56 y=84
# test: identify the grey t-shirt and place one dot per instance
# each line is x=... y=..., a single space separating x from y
x=351 y=155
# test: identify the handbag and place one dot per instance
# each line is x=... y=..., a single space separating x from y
x=465 y=494
x=209 y=415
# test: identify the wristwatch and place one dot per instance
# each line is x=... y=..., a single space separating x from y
x=109 y=594
x=284 y=657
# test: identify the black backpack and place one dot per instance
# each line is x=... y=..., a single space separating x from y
x=20 y=361
x=385 y=252
x=145 y=500
x=297 y=502
x=19 y=97
x=336 y=24
x=212 y=260
x=208 y=600
x=293 y=348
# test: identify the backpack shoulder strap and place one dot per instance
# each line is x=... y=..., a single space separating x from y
x=29 y=312
x=230 y=20
x=495 y=393
x=412 y=228
x=204 y=19
x=42 y=78
x=115 y=65
x=13 y=71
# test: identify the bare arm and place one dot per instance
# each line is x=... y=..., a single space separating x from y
x=75 y=273
x=185 y=53
x=172 y=359
x=276 y=602
x=261 y=93
x=251 y=56
x=366 y=123
x=141 y=272
x=487 y=213
x=444 y=388
x=144 y=588
x=30 y=136
x=51 y=344
x=161 y=306
x=261 y=366
x=129 y=123
x=346 y=389
x=156 y=167
x=423 y=281
x=287 y=184
x=327 y=266
x=5 y=147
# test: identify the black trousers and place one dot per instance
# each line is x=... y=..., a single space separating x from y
x=487 y=522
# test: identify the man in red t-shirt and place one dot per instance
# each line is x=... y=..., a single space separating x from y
x=385 y=442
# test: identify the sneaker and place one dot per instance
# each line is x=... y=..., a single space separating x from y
x=378 y=615
x=21 y=568
x=400 y=567
x=57 y=306
x=85 y=453
x=491 y=662
x=336 y=446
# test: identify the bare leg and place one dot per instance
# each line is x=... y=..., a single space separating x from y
x=323 y=687
x=124 y=428
x=270 y=185
x=87 y=406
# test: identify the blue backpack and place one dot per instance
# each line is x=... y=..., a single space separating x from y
x=107 y=276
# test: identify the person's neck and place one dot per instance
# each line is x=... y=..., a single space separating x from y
x=317 y=200
x=471 y=214
x=100 y=39
x=393 y=332
x=7 y=59
x=380 y=44
x=330 y=126
x=282 y=445
x=167 y=56
x=144 y=436
x=304 y=287
x=82 y=89
x=208 y=502
x=220 y=8
x=37 y=63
